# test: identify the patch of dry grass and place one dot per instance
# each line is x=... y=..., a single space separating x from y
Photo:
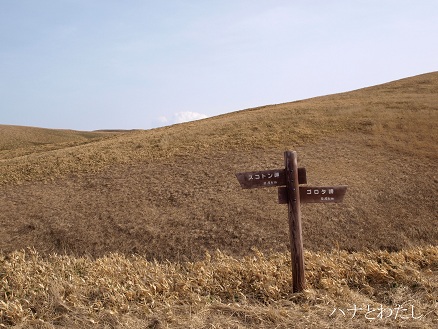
x=220 y=291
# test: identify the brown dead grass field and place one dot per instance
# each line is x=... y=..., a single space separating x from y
x=124 y=226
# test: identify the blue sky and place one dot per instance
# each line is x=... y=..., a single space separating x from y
x=107 y=64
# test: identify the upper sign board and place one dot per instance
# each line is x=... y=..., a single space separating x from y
x=267 y=178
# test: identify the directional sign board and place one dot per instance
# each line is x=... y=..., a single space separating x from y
x=315 y=194
x=267 y=178
x=322 y=194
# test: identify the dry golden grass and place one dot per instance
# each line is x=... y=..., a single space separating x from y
x=219 y=291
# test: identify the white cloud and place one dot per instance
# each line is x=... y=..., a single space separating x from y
x=181 y=117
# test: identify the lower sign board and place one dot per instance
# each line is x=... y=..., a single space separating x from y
x=315 y=194
x=267 y=178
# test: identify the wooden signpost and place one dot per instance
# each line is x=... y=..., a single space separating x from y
x=288 y=180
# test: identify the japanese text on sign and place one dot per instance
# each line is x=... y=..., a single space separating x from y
x=263 y=176
x=326 y=194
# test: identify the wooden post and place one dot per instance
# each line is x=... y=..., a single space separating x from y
x=287 y=180
x=295 y=230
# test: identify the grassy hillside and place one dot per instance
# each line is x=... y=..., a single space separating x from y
x=170 y=195
x=399 y=115
x=16 y=141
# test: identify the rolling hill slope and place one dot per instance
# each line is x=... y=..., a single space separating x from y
x=171 y=193
x=17 y=141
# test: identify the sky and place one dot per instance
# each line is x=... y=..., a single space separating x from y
x=113 y=64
